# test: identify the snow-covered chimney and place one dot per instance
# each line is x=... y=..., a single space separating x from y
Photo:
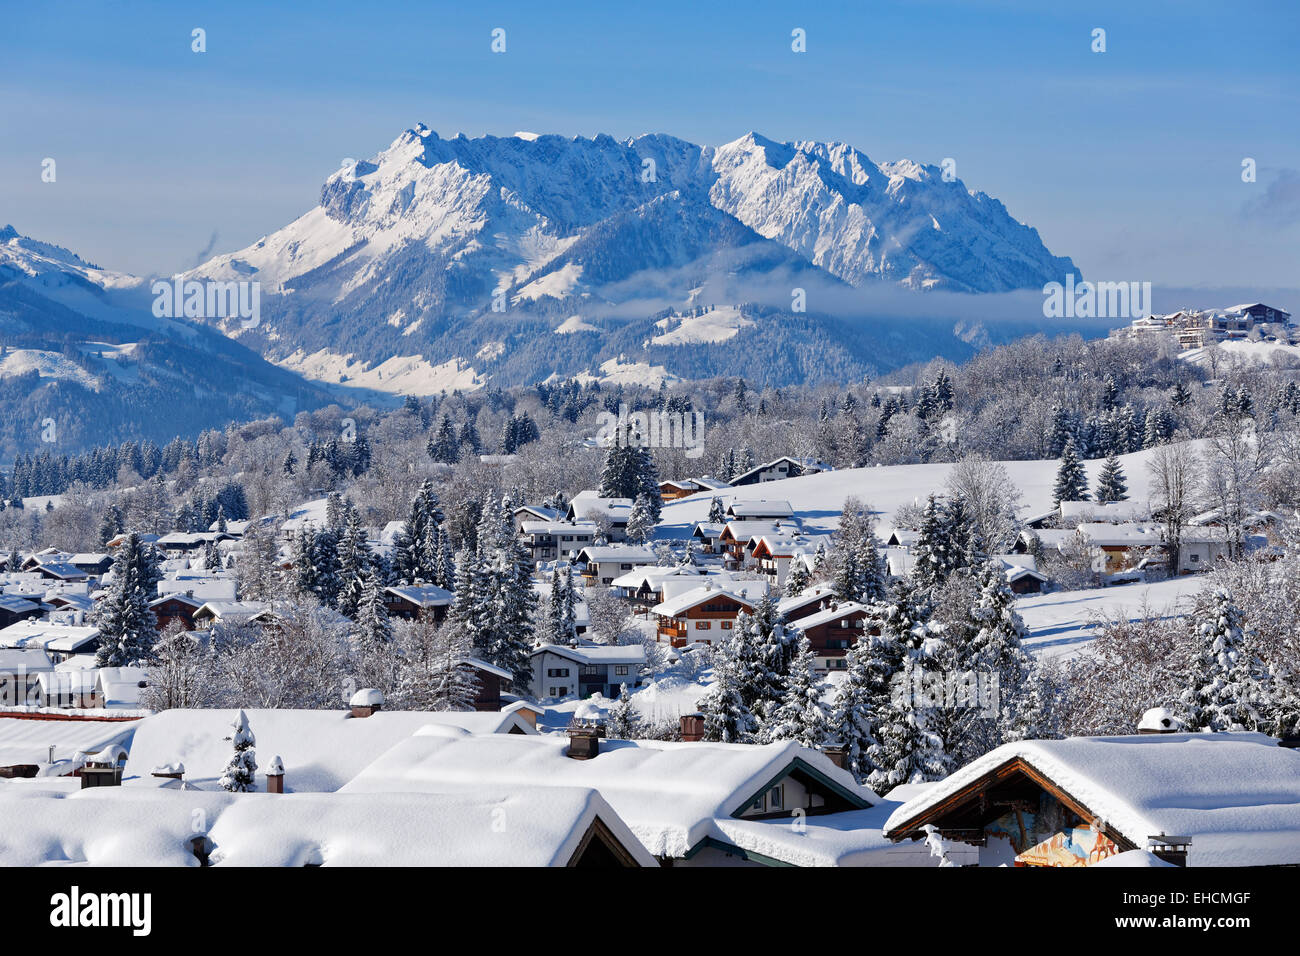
x=692 y=727
x=1159 y=720
x=836 y=754
x=1171 y=849
x=169 y=771
x=275 y=776
x=366 y=701
x=584 y=741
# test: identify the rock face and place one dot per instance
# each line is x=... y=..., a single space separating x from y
x=473 y=251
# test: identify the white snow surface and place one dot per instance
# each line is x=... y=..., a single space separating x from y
x=400 y=375
x=1062 y=623
x=321 y=749
x=671 y=794
x=719 y=325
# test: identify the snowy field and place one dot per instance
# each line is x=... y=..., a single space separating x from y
x=1063 y=623
x=818 y=499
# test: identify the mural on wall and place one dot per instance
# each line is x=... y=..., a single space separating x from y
x=1075 y=846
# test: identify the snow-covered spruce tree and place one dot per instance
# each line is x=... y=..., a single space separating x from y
x=1226 y=685
x=443 y=446
x=801 y=714
x=1071 y=478
x=797 y=579
x=763 y=650
x=997 y=649
x=1038 y=706
x=873 y=575
x=622 y=720
x=127 y=626
x=372 y=638
x=238 y=777
x=860 y=698
x=1111 y=485
x=256 y=569
x=433 y=673
x=935 y=554
x=727 y=717
x=412 y=560
x=504 y=633
x=906 y=749
x=717 y=514
x=355 y=563
x=559 y=621
x=640 y=522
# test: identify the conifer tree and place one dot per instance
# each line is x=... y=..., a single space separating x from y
x=797 y=579
x=640 y=522
x=372 y=638
x=621 y=723
x=1227 y=686
x=1111 y=485
x=801 y=715
x=717 y=514
x=239 y=775
x=1071 y=478
x=128 y=628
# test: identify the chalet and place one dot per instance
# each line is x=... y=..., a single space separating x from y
x=689 y=802
x=213 y=613
x=535 y=513
x=555 y=540
x=117 y=540
x=900 y=538
x=775 y=554
x=738 y=533
x=612 y=513
x=177 y=607
x=20 y=671
x=647 y=585
x=582 y=671
x=54 y=567
x=67 y=689
x=96 y=563
x=810 y=601
x=59 y=641
x=492 y=681
x=528 y=712
x=783 y=467
x=1037 y=802
x=411 y=601
x=183 y=542
x=120 y=687
x=706 y=614
x=204 y=586
x=1022 y=574
x=14 y=609
x=605 y=563
x=760 y=509
x=832 y=631
x=684 y=488
x=1122 y=547
x=708 y=534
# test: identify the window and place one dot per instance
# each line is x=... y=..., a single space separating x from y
x=1194 y=558
x=620 y=670
x=776 y=797
x=726 y=625
x=701 y=625
x=558 y=672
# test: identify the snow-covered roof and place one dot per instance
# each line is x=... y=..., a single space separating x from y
x=367 y=697
x=744 y=592
x=671 y=794
x=604 y=654
x=760 y=508
x=831 y=614
x=1112 y=511
x=122 y=826
x=24 y=741
x=1237 y=795
x=423 y=595
x=60 y=638
x=323 y=749
x=623 y=553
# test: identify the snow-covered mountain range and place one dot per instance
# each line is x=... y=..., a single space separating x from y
x=459 y=259
x=80 y=345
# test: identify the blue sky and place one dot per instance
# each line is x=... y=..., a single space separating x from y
x=1129 y=160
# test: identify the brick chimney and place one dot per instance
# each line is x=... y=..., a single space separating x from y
x=1159 y=720
x=584 y=740
x=692 y=727
x=275 y=776
x=836 y=755
x=366 y=702
x=1171 y=849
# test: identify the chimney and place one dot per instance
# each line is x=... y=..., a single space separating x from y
x=1159 y=720
x=584 y=740
x=1171 y=849
x=836 y=754
x=366 y=702
x=692 y=727
x=275 y=776
x=170 y=771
